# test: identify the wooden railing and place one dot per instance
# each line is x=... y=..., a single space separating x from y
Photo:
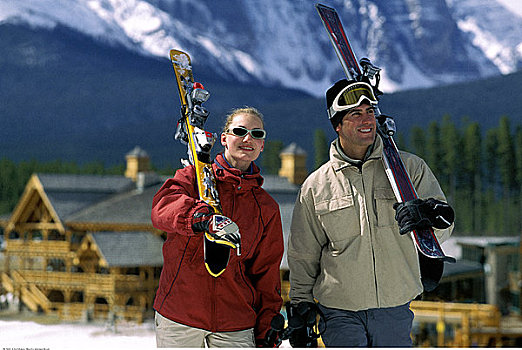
x=89 y=282
x=25 y=282
x=38 y=248
x=477 y=324
x=77 y=311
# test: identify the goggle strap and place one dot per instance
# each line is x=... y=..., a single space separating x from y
x=367 y=94
x=332 y=111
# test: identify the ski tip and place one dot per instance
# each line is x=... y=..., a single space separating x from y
x=449 y=259
x=321 y=6
x=442 y=258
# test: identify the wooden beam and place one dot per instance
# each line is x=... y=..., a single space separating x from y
x=109 y=226
x=33 y=196
x=37 y=226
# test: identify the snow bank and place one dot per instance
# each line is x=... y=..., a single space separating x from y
x=34 y=336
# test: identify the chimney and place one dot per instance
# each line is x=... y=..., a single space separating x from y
x=137 y=162
x=293 y=164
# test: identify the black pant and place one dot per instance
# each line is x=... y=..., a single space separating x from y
x=385 y=327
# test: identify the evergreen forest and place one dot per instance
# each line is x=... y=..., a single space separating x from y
x=479 y=170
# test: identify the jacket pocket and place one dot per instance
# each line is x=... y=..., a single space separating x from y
x=384 y=200
x=340 y=220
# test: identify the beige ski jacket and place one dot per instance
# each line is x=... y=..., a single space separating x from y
x=344 y=248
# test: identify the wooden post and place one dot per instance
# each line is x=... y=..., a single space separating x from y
x=441 y=327
x=466 y=336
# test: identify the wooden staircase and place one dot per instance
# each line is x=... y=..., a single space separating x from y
x=28 y=293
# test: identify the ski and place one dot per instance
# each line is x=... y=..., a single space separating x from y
x=199 y=143
x=431 y=256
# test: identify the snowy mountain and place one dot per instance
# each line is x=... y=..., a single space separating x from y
x=418 y=43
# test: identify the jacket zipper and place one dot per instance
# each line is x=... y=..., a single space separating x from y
x=248 y=286
x=370 y=237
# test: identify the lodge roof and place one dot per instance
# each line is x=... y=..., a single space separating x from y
x=293 y=148
x=488 y=241
x=274 y=184
x=131 y=207
x=100 y=198
x=71 y=193
x=128 y=249
x=104 y=184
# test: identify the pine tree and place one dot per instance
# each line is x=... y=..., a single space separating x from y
x=9 y=192
x=433 y=150
x=321 y=148
x=518 y=161
x=271 y=161
x=450 y=142
x=491 y=217
x=418 y=141
x=472 y=149
x=507 y=170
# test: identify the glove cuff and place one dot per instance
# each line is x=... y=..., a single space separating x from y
x=441 y=214
x=201 y=218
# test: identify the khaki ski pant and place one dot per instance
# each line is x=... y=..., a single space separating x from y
x=170 y=334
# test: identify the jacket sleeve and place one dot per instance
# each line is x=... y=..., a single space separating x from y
x=175 y=203
x=264 y=272
x=427 y=186
x=305 y=244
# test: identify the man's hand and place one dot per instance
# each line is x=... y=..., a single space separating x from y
x=422 y=214
x=301 y=323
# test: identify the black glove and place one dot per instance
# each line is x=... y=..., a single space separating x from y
x=273 y=336
x=261 y=343
x=422 y=214
x=201 y=218
x=301 y=321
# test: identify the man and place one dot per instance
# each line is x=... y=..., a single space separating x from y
x=346 y=248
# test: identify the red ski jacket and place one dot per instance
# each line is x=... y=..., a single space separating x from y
x=248 y=293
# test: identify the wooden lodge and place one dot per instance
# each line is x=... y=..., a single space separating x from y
x=83 y=246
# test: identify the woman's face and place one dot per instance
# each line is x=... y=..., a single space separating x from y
x=241 y=151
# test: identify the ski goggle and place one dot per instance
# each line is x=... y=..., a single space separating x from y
x=352 y=96
x=240 y=131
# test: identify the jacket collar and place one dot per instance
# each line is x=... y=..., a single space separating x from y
x=340 y=160
x=226 y=173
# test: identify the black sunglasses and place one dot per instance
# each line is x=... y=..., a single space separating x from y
x=240 y=131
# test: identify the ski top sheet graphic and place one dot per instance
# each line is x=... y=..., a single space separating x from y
x=190 y=132
x=431 y=256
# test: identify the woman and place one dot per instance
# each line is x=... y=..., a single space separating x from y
x=234 y=309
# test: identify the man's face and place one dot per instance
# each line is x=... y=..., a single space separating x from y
x=357 y=130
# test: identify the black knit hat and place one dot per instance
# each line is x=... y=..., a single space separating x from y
x=331 y=94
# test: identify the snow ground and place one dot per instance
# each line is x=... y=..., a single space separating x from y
x=23 y=335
